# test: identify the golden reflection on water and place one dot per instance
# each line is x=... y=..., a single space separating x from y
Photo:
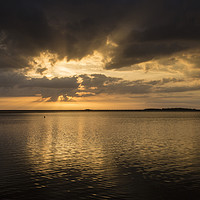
x=100 y=143
x=100 y=155
x=58 y=146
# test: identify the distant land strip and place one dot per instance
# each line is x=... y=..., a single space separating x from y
x=91 y=110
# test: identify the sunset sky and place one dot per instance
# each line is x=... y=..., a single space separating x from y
x=99 y=54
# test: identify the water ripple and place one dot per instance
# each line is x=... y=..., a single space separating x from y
x=100 y=155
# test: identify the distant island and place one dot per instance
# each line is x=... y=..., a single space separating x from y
x=171 y=109
x=86 y=110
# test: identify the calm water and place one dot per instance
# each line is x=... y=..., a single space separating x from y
x=100 y=155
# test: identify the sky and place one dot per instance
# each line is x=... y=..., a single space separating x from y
x=99 y=54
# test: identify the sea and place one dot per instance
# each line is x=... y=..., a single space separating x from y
x=100 y=155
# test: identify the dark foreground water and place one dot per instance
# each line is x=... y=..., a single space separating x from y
x=100 y=155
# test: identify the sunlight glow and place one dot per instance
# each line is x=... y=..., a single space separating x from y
x=49 y=65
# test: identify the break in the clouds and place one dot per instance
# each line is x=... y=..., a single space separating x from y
x=137 y=36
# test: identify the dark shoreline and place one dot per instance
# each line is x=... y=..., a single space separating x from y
x=89 y=110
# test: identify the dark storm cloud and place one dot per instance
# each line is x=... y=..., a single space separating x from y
x=178 y=89
x=68 y=28
x=111 y=85
x=13 y=84
x=67 y=82
x=167 y=27
x=142 y=29
x=99 y=83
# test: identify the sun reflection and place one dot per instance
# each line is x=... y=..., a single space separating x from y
x=58 y=146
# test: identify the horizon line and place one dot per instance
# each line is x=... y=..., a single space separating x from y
x=92 y=110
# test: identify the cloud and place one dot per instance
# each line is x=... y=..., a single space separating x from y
x=142 y=30
x=66 y=82
x=15 y=84
x=67 y=88
x=157 y=35
x=178 y=89
x=41 y=70
x=98 y=83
